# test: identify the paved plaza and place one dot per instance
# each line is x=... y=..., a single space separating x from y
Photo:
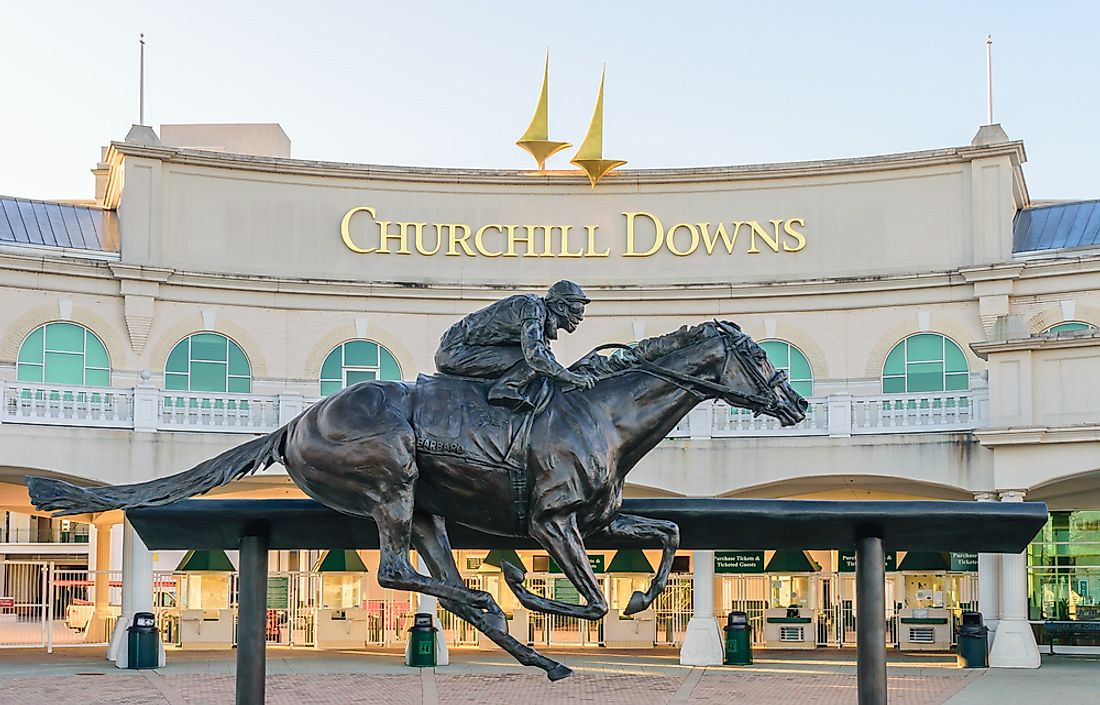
x=301 y=677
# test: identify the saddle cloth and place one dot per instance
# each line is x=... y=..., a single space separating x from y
x=452 y=417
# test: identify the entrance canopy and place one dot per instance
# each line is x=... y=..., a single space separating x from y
x=987 y=527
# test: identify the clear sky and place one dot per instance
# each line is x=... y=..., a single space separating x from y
x=454 y=83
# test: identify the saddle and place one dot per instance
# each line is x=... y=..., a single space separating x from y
x=452 y=417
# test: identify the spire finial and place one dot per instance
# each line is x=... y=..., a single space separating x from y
x=536 y=140
x=590 y=155
x=989 y=78
x=141 y=80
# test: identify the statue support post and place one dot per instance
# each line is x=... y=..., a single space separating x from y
x=871 y=621
x=251 y=621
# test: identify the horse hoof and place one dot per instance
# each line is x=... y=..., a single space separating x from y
x=512 y=574
x=558 y=672
x=637 y=604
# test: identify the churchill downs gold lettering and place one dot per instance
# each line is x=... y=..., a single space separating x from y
x=643 y=235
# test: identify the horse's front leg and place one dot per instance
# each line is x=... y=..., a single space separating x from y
x=646 y=530
x=562 y=540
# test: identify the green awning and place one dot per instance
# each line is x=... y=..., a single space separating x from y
x=630 y=560
x=925 y=562
x=791 y=561
x=209 y=561
x=498 y=556
x=340 y=562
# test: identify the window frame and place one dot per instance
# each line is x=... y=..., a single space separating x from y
x=945 y=373
x=45 y=352
x=231 y=346
x=375 y=370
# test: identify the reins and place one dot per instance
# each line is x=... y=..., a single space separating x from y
x=757 y=402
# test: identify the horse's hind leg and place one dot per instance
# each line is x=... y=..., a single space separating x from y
x=430 y=538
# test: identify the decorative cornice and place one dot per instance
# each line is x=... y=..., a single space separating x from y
x=626 y=178
x=1075 y=339
x=1034 y=435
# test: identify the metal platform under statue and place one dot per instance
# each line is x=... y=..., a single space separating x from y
x=871 y=528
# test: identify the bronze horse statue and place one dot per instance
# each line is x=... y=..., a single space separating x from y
x=558 y=476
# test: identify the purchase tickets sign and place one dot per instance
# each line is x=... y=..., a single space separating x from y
x=738 y=561
x=846 y=562
x=595 y=560
x=964 y=562
x=367 y=230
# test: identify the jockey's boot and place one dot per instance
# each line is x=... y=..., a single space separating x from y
x=510 y=390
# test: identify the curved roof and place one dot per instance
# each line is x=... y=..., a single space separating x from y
x=49 y=224
x=1062 y=226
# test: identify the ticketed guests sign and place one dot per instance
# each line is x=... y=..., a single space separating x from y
x=738 y=561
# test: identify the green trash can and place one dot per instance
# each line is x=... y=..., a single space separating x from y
x=143 y=642
x=973 y=641
x=421 y=651
x=738 y=640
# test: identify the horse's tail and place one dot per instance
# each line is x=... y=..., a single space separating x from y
x=63 y=498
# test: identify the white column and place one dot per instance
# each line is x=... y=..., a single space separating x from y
x=137 y=592
x=989 y=578
x=1014 y=644
x=702 y=642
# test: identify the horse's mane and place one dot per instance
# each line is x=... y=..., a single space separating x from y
x=661 y=345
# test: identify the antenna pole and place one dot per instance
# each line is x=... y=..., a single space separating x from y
x=141 y=82
x=989 y=78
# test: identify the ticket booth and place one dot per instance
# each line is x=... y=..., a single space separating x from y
x=341 y=621
x=629 y=571
x=203 y=584
x=492 y=581
x=924 y=623
x=789 y=619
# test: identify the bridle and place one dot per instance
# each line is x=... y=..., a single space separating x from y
x=737 y=345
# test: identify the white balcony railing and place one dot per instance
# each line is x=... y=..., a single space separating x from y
x=146 y=408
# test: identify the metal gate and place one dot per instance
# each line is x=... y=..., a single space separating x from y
x=292 y=601
x=389 y=618
x=554 y=629
x=673 y=609
x=43 y=606
x=457 y=631
x=748 y=594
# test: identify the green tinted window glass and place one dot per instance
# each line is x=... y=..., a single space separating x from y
x=175 y=381
x=954 y=360
x=209 y=347
x=893 y=385
x=360 y=353
x=1068 y=327
x=95 y=355
x=778 y=353
x=29 y=373
x=958 y=382
x=787 y=357
x=389 y=369
x=924 y=347
x=207 y=376
x=924 y=377
x=64 y=368
x=357 y=376
x=238 y=363
x=32 y=348
x=65 y=337
x=800 y=366
x=97 y=378
x=357 y=361
x=332 y=369
x=178 y=359
x=240 y=385
x=895 y=361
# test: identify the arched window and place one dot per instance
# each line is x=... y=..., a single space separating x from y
x=1069 y=327
x=785 y=356
x=208 y=362
x=357 y=361
x=925 y=362
x=63 y=353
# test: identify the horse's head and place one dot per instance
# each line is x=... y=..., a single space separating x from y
x=753 y=383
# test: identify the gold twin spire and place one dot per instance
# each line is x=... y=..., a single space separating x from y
x=536 y=140
x=590 y=155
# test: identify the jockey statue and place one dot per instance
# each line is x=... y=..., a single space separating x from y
x=509 y=341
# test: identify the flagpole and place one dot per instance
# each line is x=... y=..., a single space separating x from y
x=989 y=78
x=141 y=82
